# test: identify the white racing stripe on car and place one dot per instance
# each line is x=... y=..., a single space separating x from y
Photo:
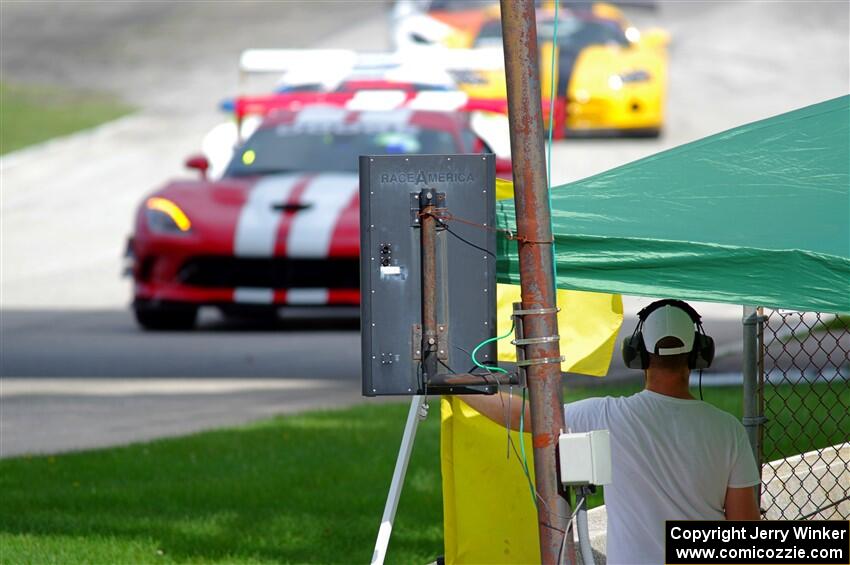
x=256 y=229
x=307 y=296
x=436 y=100
x=312 y=228
x=376 y=100
x=324 y=116
x=253 y=295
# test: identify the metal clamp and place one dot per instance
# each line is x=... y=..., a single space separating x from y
x=541 y=361
x=441 y=347
x=749 y=421
x=753 y=320
x=536 y=311
x=532 y=340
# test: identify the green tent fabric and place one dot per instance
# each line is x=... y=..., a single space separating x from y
x=757 y=215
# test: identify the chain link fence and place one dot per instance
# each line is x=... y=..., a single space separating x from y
x=804 y=397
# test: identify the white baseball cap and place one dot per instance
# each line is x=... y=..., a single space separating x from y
x=668 y=321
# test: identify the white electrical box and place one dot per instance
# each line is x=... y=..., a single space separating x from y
x=585 y=458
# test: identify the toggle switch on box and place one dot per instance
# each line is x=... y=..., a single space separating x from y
x=585 y=458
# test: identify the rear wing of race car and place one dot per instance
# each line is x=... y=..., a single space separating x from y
x=329 y=60
x=369 y=100
x=327 y=69
x=489 y=116
x=284 y=60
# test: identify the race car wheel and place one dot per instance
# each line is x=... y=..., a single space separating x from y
x=165 y=317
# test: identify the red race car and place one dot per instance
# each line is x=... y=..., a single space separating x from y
x=281 y=226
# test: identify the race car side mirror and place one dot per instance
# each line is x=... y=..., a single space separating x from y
x=504 y=168
x=200 y=163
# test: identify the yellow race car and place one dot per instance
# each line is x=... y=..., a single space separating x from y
x=610 y=79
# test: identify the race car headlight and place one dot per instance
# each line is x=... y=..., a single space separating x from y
x=615 y=82
x=165 y=216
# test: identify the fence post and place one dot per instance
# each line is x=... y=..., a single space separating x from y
x=752 y=413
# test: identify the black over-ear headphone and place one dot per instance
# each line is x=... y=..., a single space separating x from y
x=635 y=355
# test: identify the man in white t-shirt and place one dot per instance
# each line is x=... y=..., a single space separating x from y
x=673 y=457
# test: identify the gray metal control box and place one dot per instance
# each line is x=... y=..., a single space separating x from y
x=391 y=186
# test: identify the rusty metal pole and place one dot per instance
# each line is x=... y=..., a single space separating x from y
x=428 y=226
x=535 y=262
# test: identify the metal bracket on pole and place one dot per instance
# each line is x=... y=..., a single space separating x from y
x=418 y=411
x=442 y=342
x=520 y=341
x=518 y=310
x=753 y=319
x=756 y=421
x=530 y=340
x=541 y=361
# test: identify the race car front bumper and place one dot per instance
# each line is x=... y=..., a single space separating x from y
x=638 y=113
x=175 y=274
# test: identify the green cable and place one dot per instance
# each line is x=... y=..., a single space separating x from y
x=522 y=448
x=485 y=342
x=549 y=149
x=521 y=430
x=522 y=410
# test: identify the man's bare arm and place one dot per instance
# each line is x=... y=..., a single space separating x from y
x=497 y=407
x=741 y=504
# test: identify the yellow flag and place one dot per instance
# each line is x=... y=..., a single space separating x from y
x=489 y=516
x=504 y=189
x=488 y=513
x=588 y=324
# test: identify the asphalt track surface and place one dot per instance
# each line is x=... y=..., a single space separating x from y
x=77 y=373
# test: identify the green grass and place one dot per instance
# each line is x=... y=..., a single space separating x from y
x=30 y=114
x=297 y=489
x=804 y=417
x=837 y=323
x=306 y=488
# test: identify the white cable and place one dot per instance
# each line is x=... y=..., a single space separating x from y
x=563 y=553
x=585 y=549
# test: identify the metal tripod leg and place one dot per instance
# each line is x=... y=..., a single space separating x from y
x=413 y=417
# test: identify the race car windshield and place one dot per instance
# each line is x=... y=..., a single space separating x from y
x=286 y=148
x=458 y=5
x=573 y=33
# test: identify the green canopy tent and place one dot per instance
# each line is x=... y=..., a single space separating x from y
x=759 y=214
